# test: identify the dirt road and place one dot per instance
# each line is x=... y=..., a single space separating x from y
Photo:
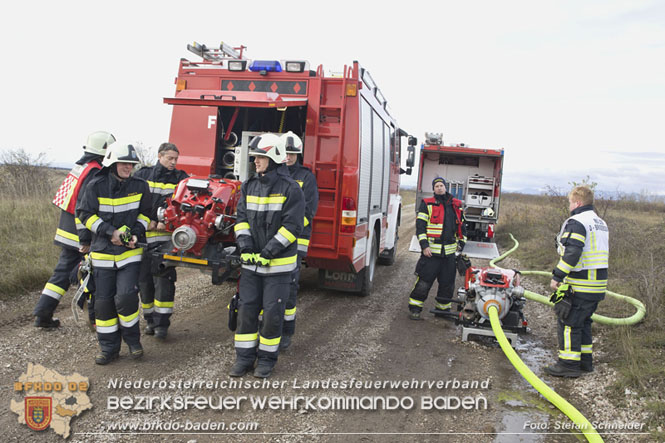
x=345 y=347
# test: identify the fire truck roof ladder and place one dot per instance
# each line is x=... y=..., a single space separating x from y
x=224 y=52
x=331 y=125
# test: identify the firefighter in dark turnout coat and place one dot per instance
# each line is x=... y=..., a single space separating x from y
x=292 y=144
x=73 y=245
x=441 y=231
x=269 y=221
x=115 y=208
x=583 y=246
x=158 y=291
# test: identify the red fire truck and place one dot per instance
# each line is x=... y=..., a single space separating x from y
x=474 y=177
x=351 y=143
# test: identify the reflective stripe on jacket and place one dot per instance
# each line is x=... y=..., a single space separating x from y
x=583 y=246
x=109 y=204
x=431 y=228
x=269 y=220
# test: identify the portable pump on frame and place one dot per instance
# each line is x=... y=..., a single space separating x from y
x=483 y=288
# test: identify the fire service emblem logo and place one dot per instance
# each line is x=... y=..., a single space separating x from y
x=38 y=412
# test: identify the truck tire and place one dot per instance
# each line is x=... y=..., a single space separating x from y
x=370 y=269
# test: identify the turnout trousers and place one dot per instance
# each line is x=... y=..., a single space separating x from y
x=117 y=307
x=58 y=284
x=157 y=293
x=428 y=269
x=574 y=334
x=289 y=327
x=256 y=292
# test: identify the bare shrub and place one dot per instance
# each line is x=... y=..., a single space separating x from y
x=147 y=155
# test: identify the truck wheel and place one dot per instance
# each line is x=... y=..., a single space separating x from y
x=368 y=272
x=387 y=257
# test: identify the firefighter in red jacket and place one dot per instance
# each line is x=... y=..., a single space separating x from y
x=441 y=232
x=67 y=235
x=303 y=176
x=269 y=221
x=115 y=208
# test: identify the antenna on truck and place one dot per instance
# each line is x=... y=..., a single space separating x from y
x=224 y=52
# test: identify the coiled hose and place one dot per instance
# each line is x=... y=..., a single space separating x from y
x=582 y=424
x=633 y=319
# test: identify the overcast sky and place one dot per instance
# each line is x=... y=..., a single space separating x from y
x=567 y=88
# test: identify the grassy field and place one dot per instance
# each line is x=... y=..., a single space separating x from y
x=29 y=221
x=637 y=256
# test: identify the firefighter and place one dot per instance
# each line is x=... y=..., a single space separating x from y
x=74 y=243
x=158 y=291
x=115 y=208
x=292 y=144
x=583 y=246
x=441 y=232
x=269 y=221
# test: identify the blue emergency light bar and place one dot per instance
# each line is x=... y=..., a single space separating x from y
x=265 y=66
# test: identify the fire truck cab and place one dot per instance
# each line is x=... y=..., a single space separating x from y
x=351 y=143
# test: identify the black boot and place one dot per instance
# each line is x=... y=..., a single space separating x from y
x=414 y=315
x=263 y=369
x=104 y=358
x=240 y=368
x=586 y=365
x=160 y=332
x=136 y=351
x=285 y=342
x=149 y=329
x=46 y=322
x=560 y=370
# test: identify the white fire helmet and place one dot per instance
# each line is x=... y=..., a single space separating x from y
x=268 y=145
x=98 y=142
x=488 y=212
x=292 y=143
x=121 y=152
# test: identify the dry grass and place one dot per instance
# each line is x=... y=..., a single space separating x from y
x=28 y=223
x=408 y=196
x=637 y=258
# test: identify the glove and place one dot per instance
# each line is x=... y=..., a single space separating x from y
x=248 y=258
x=460 y=245
x=125 y=234
x=262 y=261
x=562 y=299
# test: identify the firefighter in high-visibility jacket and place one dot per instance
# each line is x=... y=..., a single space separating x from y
x=441 y=232
x=158 y=291
x=292 y=144
x=74 y=247
x=115 y=208
x=583 y=247
x=269 y=221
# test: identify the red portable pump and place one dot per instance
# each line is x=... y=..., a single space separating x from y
x=201 y=216
x=485 y=287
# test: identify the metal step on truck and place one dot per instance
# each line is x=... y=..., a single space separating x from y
x=474 y=177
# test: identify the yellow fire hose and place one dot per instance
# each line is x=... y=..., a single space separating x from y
x=633 y=319
x=582 y=424
x=576 y=416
